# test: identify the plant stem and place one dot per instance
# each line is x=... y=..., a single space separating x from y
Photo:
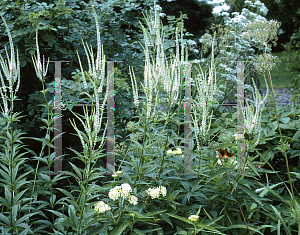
x=11 y=166
x=285 y=155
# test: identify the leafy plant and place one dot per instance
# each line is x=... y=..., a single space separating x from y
x=155 y=189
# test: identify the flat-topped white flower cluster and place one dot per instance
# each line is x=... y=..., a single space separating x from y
x=156 y=192
x=120 y=191
x=124 y=191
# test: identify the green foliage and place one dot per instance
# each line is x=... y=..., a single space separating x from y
x=213 y=200
x=62 y=26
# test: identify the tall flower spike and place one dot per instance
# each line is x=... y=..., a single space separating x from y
x=10 y=69
x=252 y=115
x=134 y=88
x=82 y=72
x=40 y=71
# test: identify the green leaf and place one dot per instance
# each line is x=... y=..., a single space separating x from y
x=4 y=219
x=219 y=172
x=285 y=119
x=23 y=218
x=75 y=168
x=180 y=218
x=250 y=193
x=118 y=230
x=139 y=146
x=296 y=135
x=280 y=218
x=244 y=227
x=139 y=232
x=165 y=218
x=198 y=212
x=72 y=214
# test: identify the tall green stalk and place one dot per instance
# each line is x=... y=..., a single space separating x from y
x=285 y=155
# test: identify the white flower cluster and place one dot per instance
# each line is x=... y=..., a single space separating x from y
x=126 y=189
x=224 y=13
x=155 y=192
x=101 y=207
x=191 y=42
x=159 y=70
x=133 y=200
x=238 y=48
x=259 y=5
x=130 y=126
x=177 y=151
x=193 y=218
x=120 y=191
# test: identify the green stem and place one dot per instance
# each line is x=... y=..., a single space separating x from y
x=11 y=166
x=167 y=139
x=285 y=155
x=142 y=150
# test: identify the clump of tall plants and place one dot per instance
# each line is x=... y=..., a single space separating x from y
x=151 y=191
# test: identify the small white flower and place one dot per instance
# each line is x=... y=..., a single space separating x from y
x=126 y=189
x=155 y=192
x=162 y=15
x=177 y=151
x=115 y=193
x=216 y=13
x=101 y=207
x=248 y=3
x=163 y=191
x=191 y=42
x=120 y=191
x=193 y=218
x=224 y=13
x=133 y=200
x=130 y=126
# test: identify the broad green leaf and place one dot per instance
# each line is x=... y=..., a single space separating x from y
x=250 y=193
x=165 y=218
x=280 y=218
x=219 y=173
x=119 y=229
x=180 y=218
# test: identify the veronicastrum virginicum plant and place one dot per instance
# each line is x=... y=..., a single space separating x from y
x=160 y=73
x=15 y=215
x=206 y=90
x=160 y=205
x=86 y=177
x=160 y=76
x=78 y=203
x=165 y=76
